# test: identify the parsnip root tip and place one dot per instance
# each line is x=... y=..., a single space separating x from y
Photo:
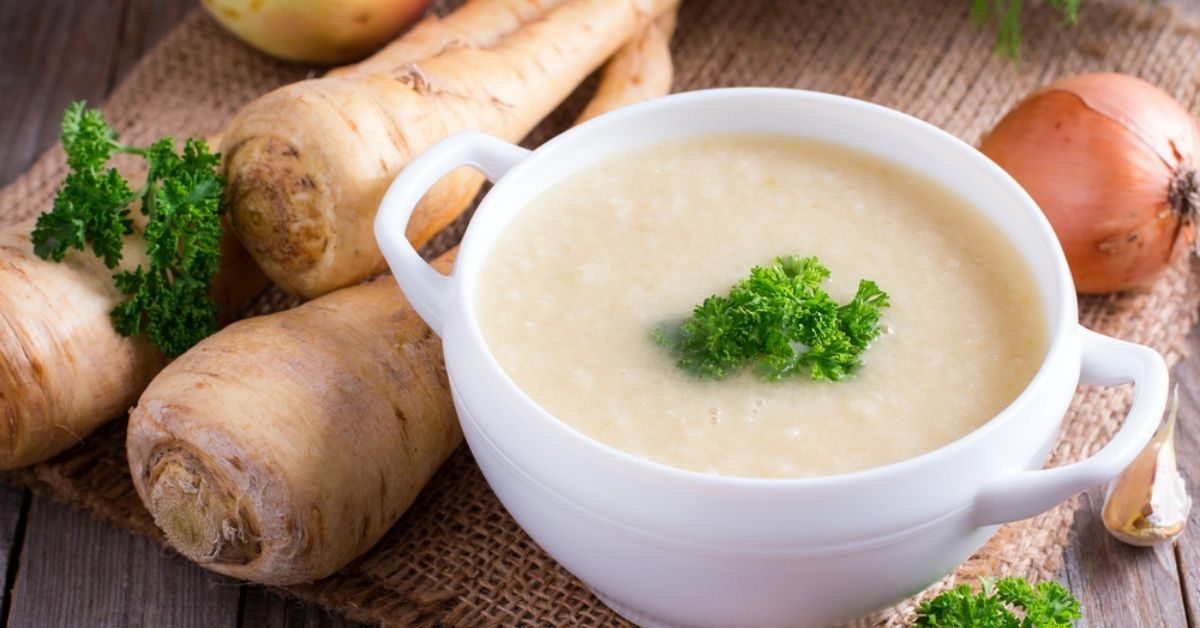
x=199 y=520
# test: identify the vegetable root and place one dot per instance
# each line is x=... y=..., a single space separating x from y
x=475 y=25
x=64 y=369
x=285 y=446
x=642 y=69
x=308 y=164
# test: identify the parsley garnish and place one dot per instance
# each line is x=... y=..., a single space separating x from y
x=1008 y=14
x=780 y=319
x=1046 y=605
x=168 y=300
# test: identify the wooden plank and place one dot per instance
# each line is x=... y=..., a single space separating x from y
x=1187 y=443
x=1123 y=585
x=145 y=22
x=264 y=609
x=1116 y=584
x=76 y=571
x=13 y=506
x=52 y=52
x=56 y=51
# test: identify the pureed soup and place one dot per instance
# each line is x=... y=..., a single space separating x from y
x=577 y=283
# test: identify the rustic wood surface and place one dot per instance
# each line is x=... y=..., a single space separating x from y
x=1186 y=553
x=58 y=567
x=78 y=571
x=12 y=511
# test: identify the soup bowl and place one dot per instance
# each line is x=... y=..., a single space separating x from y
x=670 y=547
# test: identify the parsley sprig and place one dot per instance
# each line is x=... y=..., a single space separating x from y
x=167 y=300
x=1008 y=14
x=1045 y=605
x=780 y=319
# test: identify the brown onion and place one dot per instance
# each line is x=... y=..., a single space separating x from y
x=1110 y=159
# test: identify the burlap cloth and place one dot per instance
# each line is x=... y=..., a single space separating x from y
x=457 y=557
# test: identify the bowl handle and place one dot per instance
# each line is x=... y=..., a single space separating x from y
x=1106 y=362
x=428 y=290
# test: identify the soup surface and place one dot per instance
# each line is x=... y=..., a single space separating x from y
x=578 y=280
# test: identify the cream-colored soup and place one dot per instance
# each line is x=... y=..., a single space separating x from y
x=579 y=279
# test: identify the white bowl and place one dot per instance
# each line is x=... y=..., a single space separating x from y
x=664 y=546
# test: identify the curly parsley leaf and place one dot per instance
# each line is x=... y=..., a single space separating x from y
x=167 y=300
x=87 y=139
x=1008 y=603
x=91 y=206
x=781 y=320
x=860 y=317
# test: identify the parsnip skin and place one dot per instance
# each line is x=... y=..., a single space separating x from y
x=478 y=24
x=309 y=163
x=64 y=370
x=286 y=445
x=640 y=70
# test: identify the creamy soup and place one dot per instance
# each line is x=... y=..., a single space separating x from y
x=578 y=280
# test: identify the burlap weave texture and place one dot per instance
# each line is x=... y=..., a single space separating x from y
x=457 y=558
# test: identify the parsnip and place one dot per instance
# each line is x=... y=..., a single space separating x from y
x=285 y=446
x=64 y=370
x=640 y=70
x=308 y=163
x=477 y=24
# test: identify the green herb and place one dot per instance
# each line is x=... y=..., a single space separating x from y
x=1008 y=13
x=780 y=319
x=1047 y=605
x=167 y=300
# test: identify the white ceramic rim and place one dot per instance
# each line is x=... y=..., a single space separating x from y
x=1063 y=320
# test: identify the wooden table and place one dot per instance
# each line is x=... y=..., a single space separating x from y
x=59 y=567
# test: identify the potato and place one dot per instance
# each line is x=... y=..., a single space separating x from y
x=316 y=31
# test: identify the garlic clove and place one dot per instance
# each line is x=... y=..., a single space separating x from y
x=1149 y=503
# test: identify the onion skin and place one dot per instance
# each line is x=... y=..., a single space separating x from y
x=1108 y=158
